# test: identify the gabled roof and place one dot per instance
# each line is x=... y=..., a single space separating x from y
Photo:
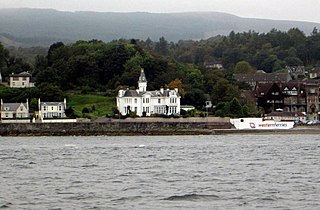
x=295 y=69
x=11 y=106
x=263 y=88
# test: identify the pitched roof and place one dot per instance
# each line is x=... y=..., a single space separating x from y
x=261 y=77
x=285 y=114
x=131 y=93
x=155 y=93
x=315 y=70
x=11 y=106
x=22 y=74
x=51 y=103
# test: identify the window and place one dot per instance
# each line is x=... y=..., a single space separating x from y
x=174 y=110
x=143 y=100
x=135 y=101
x=44 y=108
x=60 y=108
x=52 y=108
x=159 y=101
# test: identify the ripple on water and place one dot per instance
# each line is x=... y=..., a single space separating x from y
x=182 y=172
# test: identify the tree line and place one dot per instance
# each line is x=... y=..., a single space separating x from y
x=94 y=65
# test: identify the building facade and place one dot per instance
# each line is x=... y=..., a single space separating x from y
x=21 y=80
x=291 y=97
x=14 y=110
x=51 y=110
x=147 y=103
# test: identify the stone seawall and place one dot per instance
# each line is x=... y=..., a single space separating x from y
x=111 y=128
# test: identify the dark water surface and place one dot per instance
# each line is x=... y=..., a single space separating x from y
x=151 y=172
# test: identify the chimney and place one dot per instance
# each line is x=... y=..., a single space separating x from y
x=27 y=102
x=161 y=90
x=65 y=103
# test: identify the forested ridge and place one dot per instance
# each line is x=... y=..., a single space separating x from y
x=90 y=66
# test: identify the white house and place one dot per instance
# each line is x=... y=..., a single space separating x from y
x=146 y=103
x=21 y=80
x=50 y=110
x=13 y=111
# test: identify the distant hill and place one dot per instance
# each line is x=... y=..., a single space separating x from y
x=30 y=27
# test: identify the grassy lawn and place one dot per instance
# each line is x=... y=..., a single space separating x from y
x=103 y=105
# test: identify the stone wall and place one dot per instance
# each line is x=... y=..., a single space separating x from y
x=119 y=127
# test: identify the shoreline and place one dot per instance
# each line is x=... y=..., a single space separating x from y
x=144 y=127
x=93 y=129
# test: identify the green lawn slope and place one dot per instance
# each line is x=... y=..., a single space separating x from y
x=98 y=106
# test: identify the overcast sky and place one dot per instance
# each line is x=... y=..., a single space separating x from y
x=304 y=10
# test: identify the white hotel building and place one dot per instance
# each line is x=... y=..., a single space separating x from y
x=142 y=101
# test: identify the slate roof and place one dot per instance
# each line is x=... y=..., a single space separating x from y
x=22 y=74
x=131 y=93
x=155 y=93
x=262 y=77
x=142 y=77
x=51 y=103
x=286 y=114
x=315 y=70
x=11 y=106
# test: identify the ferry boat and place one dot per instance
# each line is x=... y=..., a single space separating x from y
x=260 y=124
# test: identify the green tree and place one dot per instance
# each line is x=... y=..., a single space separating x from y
x=235 y=107
x=162 y=46
x=243 y=67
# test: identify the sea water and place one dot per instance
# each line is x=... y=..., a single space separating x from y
x=161 y=172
